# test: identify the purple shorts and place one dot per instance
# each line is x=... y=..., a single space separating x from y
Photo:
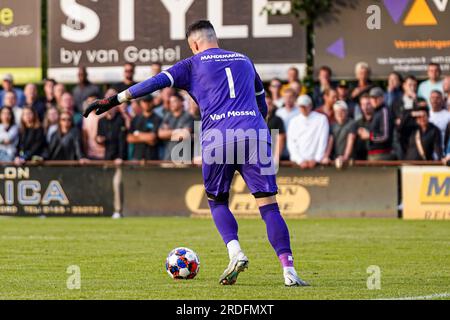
x=251 y=158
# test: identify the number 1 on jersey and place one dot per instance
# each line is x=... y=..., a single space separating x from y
x=230 y=83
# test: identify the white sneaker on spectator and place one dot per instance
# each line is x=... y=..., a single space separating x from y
x=116 y=216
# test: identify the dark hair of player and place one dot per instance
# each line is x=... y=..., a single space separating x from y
x=199 y=25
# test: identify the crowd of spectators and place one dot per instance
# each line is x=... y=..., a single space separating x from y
x=400 y=119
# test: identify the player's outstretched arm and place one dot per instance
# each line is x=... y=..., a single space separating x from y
x=141 y=89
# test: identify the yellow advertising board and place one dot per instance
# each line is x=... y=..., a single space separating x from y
x=426 y=193
x=20 y=40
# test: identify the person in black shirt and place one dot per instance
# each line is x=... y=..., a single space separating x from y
x=31 y=138
x=177 y=126
x=143 y=133
x=32 y=100
x=65 y=144
x=408 y=126
x=402 y=107
x=425 y=143
x=276 y=123
x=112 y=134
x=324 y=84
x=361 y=147
x=128 y=81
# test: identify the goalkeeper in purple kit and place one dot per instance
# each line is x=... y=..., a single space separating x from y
x=234 y=137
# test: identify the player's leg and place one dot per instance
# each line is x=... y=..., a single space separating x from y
x=228 y=228
x=262 y=184
x=217 y=180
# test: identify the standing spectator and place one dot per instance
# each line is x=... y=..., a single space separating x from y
x=394 y=89
x=89 y=131
x=65 y=143
x=408 y=99
x=380 y=133
x=32 y=100
x=49 y=96
x=324 y=84
x=297 y=87
x=330 y=98
x=275 y=92
x=405 y=124
x=361 y=146
x=287 y=113
x=343 y=94
x=433 y=83
x=67 y=104
x=155 y=68
x=143 y=134
x=58 y=92
x=8 y=86
x=308 y=135
x=293 y=75
x=178 y=125
x=128 y=78
x=344 y=133
x=9 y=136
x=164 y=108
x=364 y=84
x=10 y=101
x=289 y=109
x=84 y=89
x=51 y=122
x=276 y=123
x=31 y=138
x=446 y=86
x=439 y=116
x=425 y=143
x=112 y=134
x=134 y=109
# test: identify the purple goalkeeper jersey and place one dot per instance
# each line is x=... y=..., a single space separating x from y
x=224 y=84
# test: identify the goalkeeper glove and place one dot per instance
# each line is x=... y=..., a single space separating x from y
x=102 y=106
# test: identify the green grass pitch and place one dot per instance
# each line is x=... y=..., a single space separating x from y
x=125 y=259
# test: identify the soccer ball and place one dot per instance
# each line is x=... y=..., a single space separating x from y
x=182 y=263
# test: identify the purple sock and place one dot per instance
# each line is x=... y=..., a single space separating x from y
x=286 y=259
x=278 y=233
x=224 y=220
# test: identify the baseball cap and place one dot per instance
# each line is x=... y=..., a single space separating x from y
x=8 y=77
x=304 y=100
x=343 y=84
x=376 y=92
x=340 y=105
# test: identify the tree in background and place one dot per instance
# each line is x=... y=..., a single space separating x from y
x=312 y=12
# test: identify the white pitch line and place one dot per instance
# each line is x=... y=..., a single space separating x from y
x=429 y=297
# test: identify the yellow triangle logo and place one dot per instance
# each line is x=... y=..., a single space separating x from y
x=420 y=15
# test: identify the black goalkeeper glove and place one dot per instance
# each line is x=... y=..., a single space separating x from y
x=102 y=106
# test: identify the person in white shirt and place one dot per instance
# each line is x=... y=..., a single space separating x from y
x=288 y=112
x=433 y=83
x=308 y=135
x=439 y=116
